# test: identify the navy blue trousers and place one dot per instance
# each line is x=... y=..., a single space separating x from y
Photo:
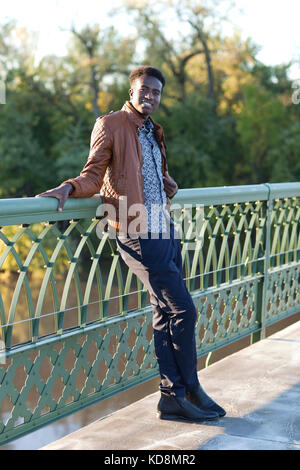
x=158 y=264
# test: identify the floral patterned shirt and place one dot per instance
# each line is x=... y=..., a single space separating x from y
x=155 y=196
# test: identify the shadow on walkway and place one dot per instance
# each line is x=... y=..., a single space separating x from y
x=273 y=426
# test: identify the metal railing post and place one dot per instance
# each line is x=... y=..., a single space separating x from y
x=263 y=283
x=267 y=262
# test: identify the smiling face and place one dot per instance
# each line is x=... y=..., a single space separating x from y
x=145 y=94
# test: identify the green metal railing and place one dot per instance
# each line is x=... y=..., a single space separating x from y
x=77 y=324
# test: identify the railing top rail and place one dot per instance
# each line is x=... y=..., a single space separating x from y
x=31 y=210
x=278 y=190
x=43 y=209
x=223 y=194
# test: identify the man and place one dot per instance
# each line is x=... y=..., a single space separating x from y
x=127 y=159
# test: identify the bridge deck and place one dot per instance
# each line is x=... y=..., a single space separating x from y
x=259 y=386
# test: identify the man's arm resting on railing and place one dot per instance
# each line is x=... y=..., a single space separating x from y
x=90 y=180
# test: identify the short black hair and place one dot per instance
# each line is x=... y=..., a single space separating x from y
x=146 y=70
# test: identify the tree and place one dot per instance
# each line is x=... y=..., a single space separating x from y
x=284 y=158
x=96 y=55
x=72 y=151
x=22 y=158
x=198 y=38
x=259 y=126
x=201 y=146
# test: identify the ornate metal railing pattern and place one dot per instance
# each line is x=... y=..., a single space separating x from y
x=76 y=323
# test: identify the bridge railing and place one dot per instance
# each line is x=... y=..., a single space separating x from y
x=76 y=324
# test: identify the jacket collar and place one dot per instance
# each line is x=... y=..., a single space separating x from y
x=133 y=114
x=139 y=119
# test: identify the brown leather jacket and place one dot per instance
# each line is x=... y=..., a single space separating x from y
x=114 y=165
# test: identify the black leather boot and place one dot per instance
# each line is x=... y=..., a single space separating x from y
x=173 y=407
x=200 y=399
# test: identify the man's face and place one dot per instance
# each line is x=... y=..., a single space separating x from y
x=145 y=94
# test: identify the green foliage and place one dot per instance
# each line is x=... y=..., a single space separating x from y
x=259 y=126
x=284 y=158
x=200 y=144
x=22 y=158
x=228 y=118
x=72 y=151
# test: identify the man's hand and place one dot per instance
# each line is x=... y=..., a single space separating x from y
x=61 y=193
x=170 y=186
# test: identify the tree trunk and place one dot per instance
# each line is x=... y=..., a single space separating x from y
x=95 y=91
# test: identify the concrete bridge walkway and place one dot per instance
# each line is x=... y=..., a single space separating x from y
x=259 y=387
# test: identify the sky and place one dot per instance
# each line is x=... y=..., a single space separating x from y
x=273 y=25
